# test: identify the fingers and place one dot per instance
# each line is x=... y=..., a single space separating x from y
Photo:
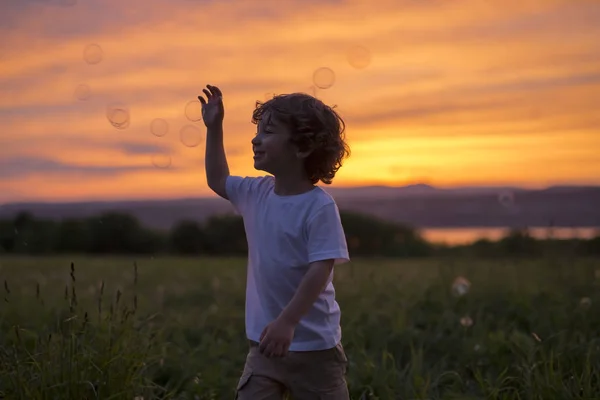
x=210 y=92
x=265 y=347
x=216 y=91
x=270 y=348
x=279 y=350
x=262 y=345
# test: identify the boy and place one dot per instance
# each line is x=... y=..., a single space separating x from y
x=295 y=237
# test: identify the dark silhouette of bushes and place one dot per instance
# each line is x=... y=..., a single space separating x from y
x=121 y=233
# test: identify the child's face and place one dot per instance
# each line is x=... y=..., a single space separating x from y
x=273 y=150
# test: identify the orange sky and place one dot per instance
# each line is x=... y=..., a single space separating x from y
x=458 y=92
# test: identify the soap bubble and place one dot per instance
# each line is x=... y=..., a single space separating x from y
x=359 y=57
x=466 y=321
x=92 y=54
x=118 y=115
x=461 y=286
x=159 y=127
x=506 y=199
x=83 y=92
x=193 y=110
x=161 y=160
x=324 y=77
x=190 y=136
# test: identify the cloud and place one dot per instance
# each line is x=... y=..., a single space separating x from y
x=18 y=167
x=140 y=148
x=513 y=101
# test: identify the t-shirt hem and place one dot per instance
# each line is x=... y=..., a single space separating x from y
x=313 y=345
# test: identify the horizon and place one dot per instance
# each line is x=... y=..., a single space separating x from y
x=434 y=93
x=212 y=195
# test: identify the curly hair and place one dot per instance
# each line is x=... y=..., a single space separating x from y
x=315 y=126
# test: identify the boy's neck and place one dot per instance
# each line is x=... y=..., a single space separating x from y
x=289 y=186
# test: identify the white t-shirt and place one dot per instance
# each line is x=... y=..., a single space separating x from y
x=285 y=234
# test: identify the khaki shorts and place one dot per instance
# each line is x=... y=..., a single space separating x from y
x=303 y=375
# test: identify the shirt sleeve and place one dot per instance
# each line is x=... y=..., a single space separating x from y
x=326 y=238
x=238 y=191
x=241 y=191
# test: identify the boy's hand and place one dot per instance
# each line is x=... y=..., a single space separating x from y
x=212 y=108
x=276 y=338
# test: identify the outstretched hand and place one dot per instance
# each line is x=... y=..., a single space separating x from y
x=212 y=108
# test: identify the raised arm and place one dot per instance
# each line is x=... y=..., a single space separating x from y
x=215 y=161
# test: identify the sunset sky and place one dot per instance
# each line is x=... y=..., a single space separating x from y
x=457 y=92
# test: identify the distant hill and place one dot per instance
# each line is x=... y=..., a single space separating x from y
x=422 y=206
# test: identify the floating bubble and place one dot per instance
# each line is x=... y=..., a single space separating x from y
x=506 y=199
x=118 y=115
x=190 y=136
x=359 y=57
x=92 y=54
x=159 y=127
x=466 y=321
x=193 y=110
x=83 y=92
x=161 y=160
x=324 y=77
x=461 y=286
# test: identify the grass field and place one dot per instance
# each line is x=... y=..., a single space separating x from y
x=523 y=330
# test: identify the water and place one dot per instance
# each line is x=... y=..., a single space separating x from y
x=454 y=236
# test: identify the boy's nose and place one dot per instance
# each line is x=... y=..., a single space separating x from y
x=255 y=140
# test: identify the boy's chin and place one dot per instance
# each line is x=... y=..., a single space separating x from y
x=259 y=166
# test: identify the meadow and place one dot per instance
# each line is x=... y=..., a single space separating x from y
x=144 y=328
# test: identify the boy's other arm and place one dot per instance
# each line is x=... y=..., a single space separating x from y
x=276 y=338
x=311 y=286
x=326 y=244
x=215 y=161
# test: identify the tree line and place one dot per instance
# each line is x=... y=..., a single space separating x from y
x=121 y=233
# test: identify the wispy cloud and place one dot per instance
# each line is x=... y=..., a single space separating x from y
x=22 y=166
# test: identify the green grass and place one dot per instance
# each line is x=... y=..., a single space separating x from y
x=176 y=328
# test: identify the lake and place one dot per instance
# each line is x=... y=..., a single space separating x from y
x=454 y=236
